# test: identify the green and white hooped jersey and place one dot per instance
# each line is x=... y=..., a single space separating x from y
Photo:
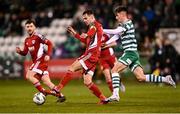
x=128 y=39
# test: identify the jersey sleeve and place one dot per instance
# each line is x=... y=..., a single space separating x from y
x=25 y=50
x=92 y=31
x=80 y=38
x=118 y=30
x=113 y=38
x=44 y=40
x=50 y=46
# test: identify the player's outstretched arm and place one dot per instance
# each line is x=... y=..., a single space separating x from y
x=75 y=34
x=113 y=39
x=118 y=30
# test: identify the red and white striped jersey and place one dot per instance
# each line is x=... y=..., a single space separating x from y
x=35 y=45
x=93 y=39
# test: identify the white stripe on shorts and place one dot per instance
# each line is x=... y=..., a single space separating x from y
x=90 y=72
x=83 y=64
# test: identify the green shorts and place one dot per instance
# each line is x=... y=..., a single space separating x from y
x=131 y=59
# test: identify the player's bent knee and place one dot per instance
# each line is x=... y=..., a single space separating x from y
x=27 y=77
x=71 y=68
x=87 y=82
x=114 y=70
x=46 y=82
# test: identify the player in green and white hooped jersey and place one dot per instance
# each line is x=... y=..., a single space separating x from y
x=130 y=58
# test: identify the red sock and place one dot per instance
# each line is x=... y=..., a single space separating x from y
x=65 y=80
x=96 y=91
x=110 y=85
x=39 y=87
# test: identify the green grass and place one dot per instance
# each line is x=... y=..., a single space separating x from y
x=16 y=96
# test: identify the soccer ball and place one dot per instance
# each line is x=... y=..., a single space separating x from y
x=39 y=98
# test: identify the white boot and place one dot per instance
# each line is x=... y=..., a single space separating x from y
x=170 y=81
x=114 y=97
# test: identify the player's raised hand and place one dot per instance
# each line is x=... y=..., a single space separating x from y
x=71 y=30
x=18 y=50
x=47 y=58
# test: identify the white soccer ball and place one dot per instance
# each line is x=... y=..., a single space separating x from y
x=39 y=98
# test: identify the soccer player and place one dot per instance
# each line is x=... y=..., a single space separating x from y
x=107 y=60
x=34 y=44
x=130 y=57
x=87 y=62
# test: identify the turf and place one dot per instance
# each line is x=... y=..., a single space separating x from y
x=16 y=96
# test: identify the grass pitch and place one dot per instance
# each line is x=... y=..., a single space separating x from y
x=16 y=96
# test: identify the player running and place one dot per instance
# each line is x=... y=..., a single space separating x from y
x=34 y=44
x=87 y=62
x=130 y=57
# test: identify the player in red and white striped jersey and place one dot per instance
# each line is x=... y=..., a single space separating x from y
x=34 y=44
x=87 y=62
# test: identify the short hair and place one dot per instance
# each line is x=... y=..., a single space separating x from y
x=30 y=21
x=88 y=12
x=120 y=8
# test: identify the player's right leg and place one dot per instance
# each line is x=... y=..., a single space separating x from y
x=31 y=76
x=46 y=80
x=118 y=67
x=73 y=68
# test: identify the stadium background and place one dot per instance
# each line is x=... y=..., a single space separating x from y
x=157 y=25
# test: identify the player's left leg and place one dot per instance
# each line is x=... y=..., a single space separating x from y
x=139 y=73
x=118 y=67
x=107 y=75
x=93 y=88
x=32 y=77
x=111 y=61
x=69 y=75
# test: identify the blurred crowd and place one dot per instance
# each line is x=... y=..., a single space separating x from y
x=148 y=16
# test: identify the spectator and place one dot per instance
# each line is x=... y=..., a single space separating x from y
x=157 y=59
x=171 y=56
x=146 y=48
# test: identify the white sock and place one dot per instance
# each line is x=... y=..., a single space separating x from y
x=116 y=91
x=115 y=83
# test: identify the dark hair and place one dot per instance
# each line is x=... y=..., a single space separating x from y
x=30 y=21
x=120 y=8
x=88 y=12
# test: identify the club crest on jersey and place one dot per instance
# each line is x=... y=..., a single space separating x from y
x=33 y=41
x=31 y=48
